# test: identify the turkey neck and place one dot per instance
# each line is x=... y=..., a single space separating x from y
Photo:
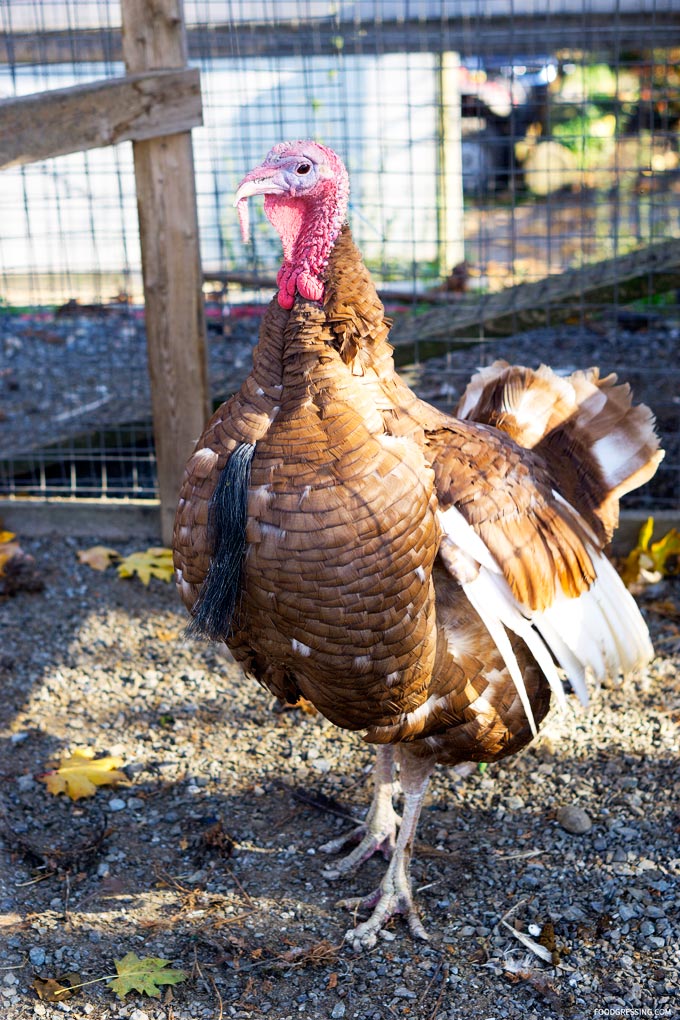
x=354 y=312
x=359 y=331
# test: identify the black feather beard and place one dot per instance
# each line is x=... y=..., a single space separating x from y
x=214 y=609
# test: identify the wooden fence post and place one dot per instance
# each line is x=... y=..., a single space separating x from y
x=153 y=39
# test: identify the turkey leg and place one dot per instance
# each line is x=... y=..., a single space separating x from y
x=379 y=830
x=393 y=895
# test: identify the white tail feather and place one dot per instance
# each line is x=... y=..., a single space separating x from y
x=601 y=630
x=500 y=638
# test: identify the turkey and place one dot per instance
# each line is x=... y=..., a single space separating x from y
x=423 y=579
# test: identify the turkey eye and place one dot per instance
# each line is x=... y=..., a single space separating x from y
x=304 y=168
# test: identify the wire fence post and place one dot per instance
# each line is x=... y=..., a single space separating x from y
x=154 y=38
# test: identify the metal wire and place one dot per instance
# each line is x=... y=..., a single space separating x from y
x=569 y=155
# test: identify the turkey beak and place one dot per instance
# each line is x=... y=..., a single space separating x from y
x=262 y=180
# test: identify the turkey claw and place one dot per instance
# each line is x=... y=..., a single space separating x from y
x=368 y=843
x=385 y=905
x=351 y=838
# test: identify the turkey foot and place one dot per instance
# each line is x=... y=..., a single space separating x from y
x=394 y=895
x=379 y=830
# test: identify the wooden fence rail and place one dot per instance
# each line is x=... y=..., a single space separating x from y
x=155 y=105
x=537 y=30
x=134 y=108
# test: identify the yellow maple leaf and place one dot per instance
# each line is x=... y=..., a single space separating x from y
x=155 y=562
x=99 y=557
x=79 y=774
x=649 y=561
x=8 y=548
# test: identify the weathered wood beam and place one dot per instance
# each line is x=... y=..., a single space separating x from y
x=651 y=270
x=260 y=281
x=242 y=278
x=133 y=108
x=542 y=32
x=153 y=38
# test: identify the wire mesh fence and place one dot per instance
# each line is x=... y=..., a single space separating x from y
x=490 y=145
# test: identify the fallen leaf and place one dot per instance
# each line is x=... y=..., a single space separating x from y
x=8 y=550
x=18 y=570
x=80 y=773
x=650 y=561
x=155 y=562
x=56 y=989
x=164 y=634
x=143 y=975
x=99 y=557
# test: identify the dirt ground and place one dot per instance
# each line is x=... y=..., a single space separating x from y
x=207 y=859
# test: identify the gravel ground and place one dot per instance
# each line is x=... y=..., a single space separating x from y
x=207 y=859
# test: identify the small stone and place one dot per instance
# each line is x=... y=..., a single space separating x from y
x=467 y=930
x=574 y=819
x=25 y=782
x=338 y=1010
x=37 y=956
x=402 y=992
x=647 y=928
x=514 y=803
x=258 y=791
x=139 y=1014
x=321 y=765
x=116 y=804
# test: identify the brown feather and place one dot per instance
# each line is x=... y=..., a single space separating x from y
x=344 y=600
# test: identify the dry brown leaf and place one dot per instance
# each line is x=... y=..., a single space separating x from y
x=99 y=557
x=56 y=989
x=664 y=607
x=79 y=774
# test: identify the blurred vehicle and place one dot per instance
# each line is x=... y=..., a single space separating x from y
x=500 y=99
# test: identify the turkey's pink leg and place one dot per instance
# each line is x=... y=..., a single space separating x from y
x=394 y=895
x=379 y=830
